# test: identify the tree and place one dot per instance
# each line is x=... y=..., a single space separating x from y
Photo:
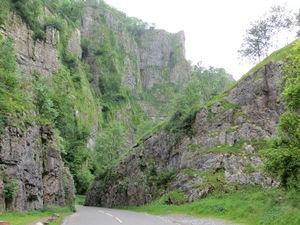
x=210 y=81
x=205 y=84
x=256 y=41
x=42 y=97
x=110 y=144
x=8 y=63
x=283 y=158
x=281 y=20
x=263 y=33
x=144 y=127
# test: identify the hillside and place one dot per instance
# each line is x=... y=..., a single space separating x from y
x=223 y=153
x=95 y=102
x=76 y=66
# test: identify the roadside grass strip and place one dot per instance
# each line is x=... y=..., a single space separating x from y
x=249 y=204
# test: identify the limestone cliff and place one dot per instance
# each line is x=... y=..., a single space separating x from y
x=229 y=132
x=148 y=68
x=117 y=75
x=30 y=156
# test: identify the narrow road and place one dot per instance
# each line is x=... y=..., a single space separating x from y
x=102 y=216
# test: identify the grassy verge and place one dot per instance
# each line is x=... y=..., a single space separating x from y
x=248 y=205
x=21 y=218
x=80 y=199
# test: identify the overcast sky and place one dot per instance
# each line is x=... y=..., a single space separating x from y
x=213 y=29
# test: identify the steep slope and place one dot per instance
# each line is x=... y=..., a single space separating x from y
x=30 y=152
x=101 y=72
x=221 y=154
x=134 y=75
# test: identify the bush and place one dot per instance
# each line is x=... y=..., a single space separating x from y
x=55 y=23
x=3 y=124
x=84 y=180
x=85 y=43
x=165 y=179
x=8 y=81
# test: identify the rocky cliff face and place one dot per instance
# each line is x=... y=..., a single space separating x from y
x=41 y=56
x=158 y=59
x=223 y=151
x=154 y=67
x=30 y=156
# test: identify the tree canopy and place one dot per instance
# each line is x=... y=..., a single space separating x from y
x=263 y=33
x=283 y=159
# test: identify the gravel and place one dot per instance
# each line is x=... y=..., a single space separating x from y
x=189 y=220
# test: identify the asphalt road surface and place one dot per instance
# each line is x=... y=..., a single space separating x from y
x=102 y=216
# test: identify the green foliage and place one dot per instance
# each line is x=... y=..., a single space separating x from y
x=210 y=81
x=11 y=98
x=85 y=179
x=29 y=12
x=144 y=127
x=205 y=84
x=11 y=186
x=142 y=165
x=176 y=197
x=257 y=77
x=42 y=97
x=3 y=15
x=249 y=168
x=278 y=55
x=174 y=56
x=256 y=41
x=282 y=159
x=224 y=148
x=260 y=37
x=213 y=179
x=110 y=144
x=80 y=199
x=3 y=124
x=72 y=11
x=137 y=28
x=21 y=218
x=85 y=43
x=192 y=172
x=164 y=179
x=123 y=186
x=8 y=81
x=183 y=108
x=55 y=23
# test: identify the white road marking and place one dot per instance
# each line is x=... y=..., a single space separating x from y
x=119 y=220
x=112 y=216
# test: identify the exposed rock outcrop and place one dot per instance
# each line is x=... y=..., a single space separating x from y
x=225 y=143
x=41 y=56
x=159 y=58
x=30 y=156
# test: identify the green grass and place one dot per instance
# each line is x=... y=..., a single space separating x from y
x=249 y=204
x=21 y=218
x=225 y=148
x=190 y=172
x=278 y=55
x=80 y=199
x=249 y=169
x=257 y=78
x=176 y=197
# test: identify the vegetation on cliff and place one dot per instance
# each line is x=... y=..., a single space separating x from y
x=93 y=93
x=282 y=159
